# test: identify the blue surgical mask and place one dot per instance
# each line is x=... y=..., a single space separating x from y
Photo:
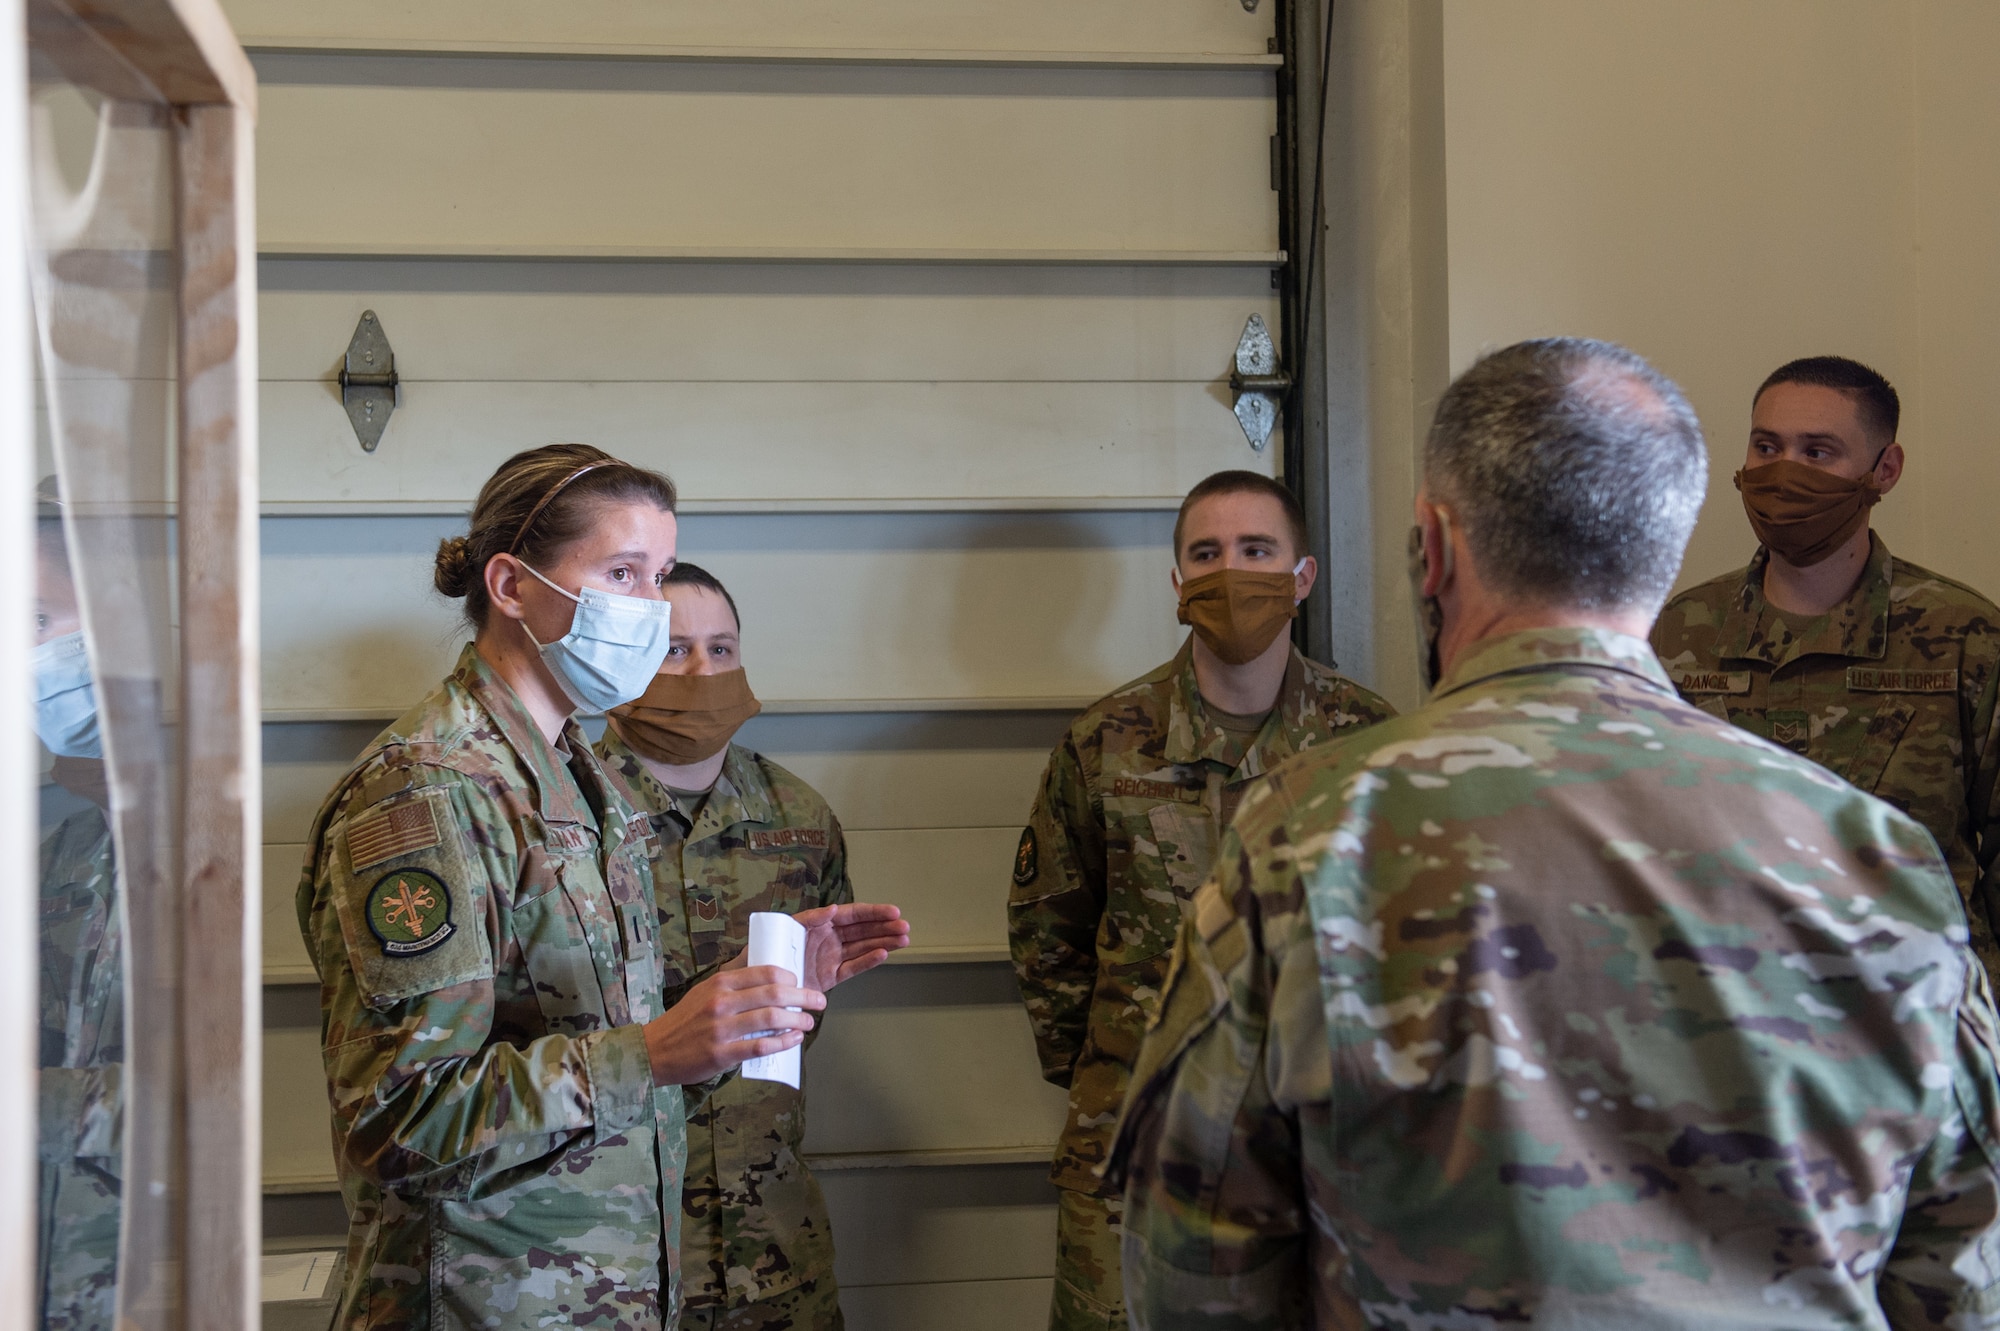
x=614 y=647
x=65 y=699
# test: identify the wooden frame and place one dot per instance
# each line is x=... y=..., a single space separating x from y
x=180 y=54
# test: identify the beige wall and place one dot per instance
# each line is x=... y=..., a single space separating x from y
x=1724 y=186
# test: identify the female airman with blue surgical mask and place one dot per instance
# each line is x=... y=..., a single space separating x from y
x=508 y=1088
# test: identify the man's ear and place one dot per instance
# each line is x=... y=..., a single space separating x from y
x=1889 y=468
x=1303 y=580
x=1435 y=525
x=503 y=586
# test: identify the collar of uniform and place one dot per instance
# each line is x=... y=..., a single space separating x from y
x=1193 y=738
x=558 y=797
x=1752 y=629
x=1546 y=648
x=740 y=795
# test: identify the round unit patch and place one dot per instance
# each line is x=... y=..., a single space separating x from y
x=410 y=911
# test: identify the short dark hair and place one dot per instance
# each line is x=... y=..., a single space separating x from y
x=1873 y=396
x=694 y=575
x=1245 y=482
x=1575 y=469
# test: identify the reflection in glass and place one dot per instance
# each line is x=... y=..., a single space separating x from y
x=82 y=969
x=111 y=1091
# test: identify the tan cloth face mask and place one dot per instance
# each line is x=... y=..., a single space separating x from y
x=1804 y=514
x=1240 y=613
x=683 y=719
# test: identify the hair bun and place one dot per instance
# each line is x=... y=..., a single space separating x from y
x=453 y=573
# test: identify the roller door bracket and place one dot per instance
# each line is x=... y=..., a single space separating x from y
x=369 y=388
x=1257 y=384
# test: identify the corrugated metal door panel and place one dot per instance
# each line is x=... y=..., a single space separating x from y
x=567 y=156
x=475 y=321
x=758 y=443
x=770 y=26
x=948 y=1223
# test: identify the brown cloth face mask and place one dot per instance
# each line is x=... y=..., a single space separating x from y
x=1238 y=613
x=682 y=719
x=1804 y=514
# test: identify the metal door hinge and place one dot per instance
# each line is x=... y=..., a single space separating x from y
x=1258 y=384
x=369 y=388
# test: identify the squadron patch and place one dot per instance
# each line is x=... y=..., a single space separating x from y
x=410 y=912
x=1027 y=858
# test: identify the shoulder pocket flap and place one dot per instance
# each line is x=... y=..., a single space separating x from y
x=403 y=890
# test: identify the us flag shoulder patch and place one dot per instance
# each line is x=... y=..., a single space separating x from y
x=383 y=834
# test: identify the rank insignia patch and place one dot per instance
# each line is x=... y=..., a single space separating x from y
x=1025 y=859
x=410 y=911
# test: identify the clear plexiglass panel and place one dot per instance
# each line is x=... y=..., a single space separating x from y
x=102 y=268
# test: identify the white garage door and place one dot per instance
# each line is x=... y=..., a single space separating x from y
x=928 y=309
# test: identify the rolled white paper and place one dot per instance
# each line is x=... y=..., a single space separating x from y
x=777 y=940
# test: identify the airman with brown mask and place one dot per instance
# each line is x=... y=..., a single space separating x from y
x=1126 y=824
x=1881 y=671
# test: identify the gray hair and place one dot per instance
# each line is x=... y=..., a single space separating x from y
x=1575 y=470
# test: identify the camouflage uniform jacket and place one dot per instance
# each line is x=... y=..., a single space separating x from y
x=1123 y=830
x=1560 y=1002
x=478 y=907
x=82 y=1060
x=753 y=1222
x=1893 y=690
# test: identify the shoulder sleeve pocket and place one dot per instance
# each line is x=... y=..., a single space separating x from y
x=408 y=904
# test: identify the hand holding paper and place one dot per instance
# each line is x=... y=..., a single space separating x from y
x=776 y=940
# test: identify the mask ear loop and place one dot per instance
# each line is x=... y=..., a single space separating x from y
x=1883 y=453
x=550 y=585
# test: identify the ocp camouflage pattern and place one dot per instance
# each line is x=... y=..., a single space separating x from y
x=505 y=1157
x=79 y=1105
x=812 y=1305
x=753 y=1222
x=1560 y=1002
x=1124 y=829
x=1089 y=1292
x=1893 y=690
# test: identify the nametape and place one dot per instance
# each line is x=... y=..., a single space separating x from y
x=1154 y=790
x=1712 y=681
x=1866 y=679
x=574 y=838
x=786 y=838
